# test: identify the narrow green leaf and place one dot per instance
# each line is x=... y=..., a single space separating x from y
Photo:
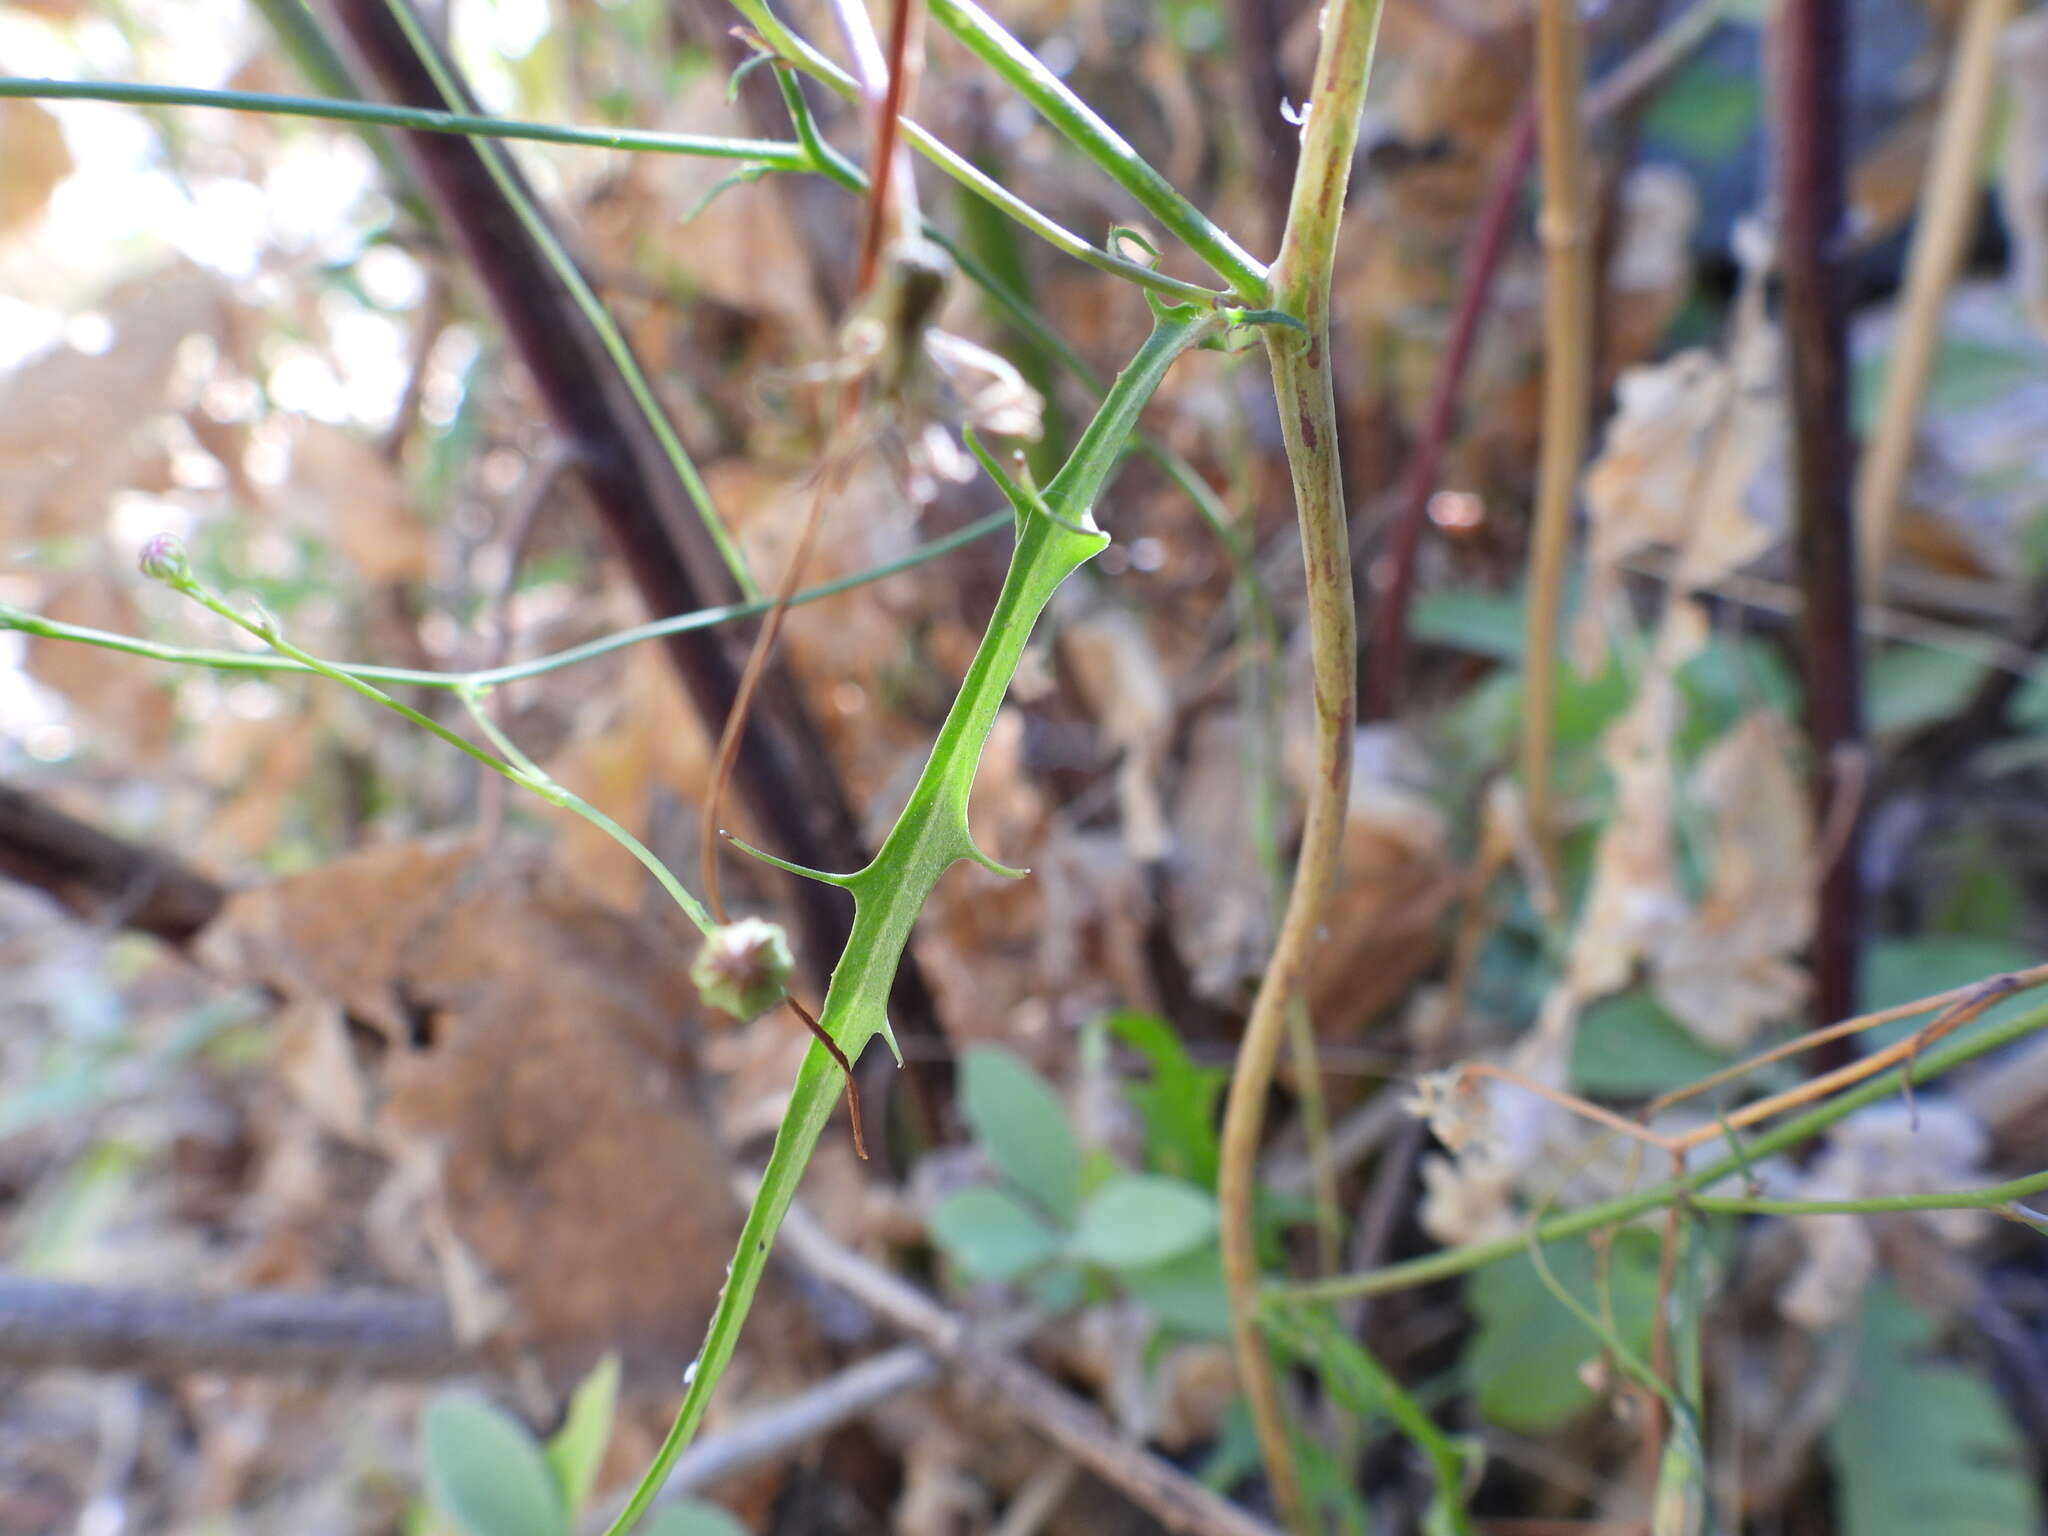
x=1140 y=1219
x=485 y=1473
x=1019 y=1122
x=990 y=1235
x=577 y=1449
x=1178 y=1106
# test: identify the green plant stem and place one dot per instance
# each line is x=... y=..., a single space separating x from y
x=1308 y=419
x=792 y=49
x=1054 y=538
x=545 y=785
x=1607 y=1213
x=1567 y=386
x=515 y=765
x=489 y=677
x=834 y=166
x=776 y=155
x=587 y=303
x=1989 y=1198
x=1085 y=129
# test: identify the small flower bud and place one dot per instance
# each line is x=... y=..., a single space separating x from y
x=744 y=967
x=163 y=559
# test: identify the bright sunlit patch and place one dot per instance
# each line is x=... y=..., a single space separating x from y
x=136 y=517
x=1456 y=511
x=391 y=278
x=518 y=25
x=25 y=330
x=50 y=742
x=90 y=332
x=251 y=700
x=304 y=383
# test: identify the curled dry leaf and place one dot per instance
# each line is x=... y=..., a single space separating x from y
x=1887 y=1149
x=1683 y=467
x=341 y=490
x=524 y=1069
x=1729 y=967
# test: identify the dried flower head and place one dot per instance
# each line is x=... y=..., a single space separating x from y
x=744 y=967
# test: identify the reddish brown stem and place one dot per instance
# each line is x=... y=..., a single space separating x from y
x=1811 y=69
x=1389 y=657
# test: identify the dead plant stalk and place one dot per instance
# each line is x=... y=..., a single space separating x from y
x=1300 y=362
x=1567 y=384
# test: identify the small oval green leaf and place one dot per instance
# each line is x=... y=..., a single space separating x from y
x=990 y=1235
x=1022 y=1126
x=1141 y=1219
x=485 y=1474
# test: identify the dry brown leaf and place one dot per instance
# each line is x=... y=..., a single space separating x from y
x=343 y=491
x=1886 y=1149
x=1119 y=673
x=2023 y=173
x=1395 y=881
x=1730 y=967
x=1651 y=272
x=131 y=703
x=33 y=159
x=1634 y=898
x=75 y=428
x=1219 y=898
x=1684 y=467
x=532 y=1087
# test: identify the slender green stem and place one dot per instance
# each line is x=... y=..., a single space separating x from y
x=774 y=154
x=1948 y=1200
x=587 y=302
x=548 y=788
x=1086 y=130
x=489 y=677
x=1608 y=1213
x=793 y=50
x=515 y=765
x=836 y=167
x=1302 y=385
x=1054 y=539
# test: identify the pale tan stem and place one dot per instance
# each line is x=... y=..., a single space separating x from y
x=1567 y=387
x=1948 y=207
x=1308 y=419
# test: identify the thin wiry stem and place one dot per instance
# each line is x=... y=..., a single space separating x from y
x=1086 y=130
x=600 y=320
x=1608 y=1213
x=514 y=765
x=773 y=154
x=484 y=678
x=793 y=49
x=1567 y=384
x=1987 y=1199
x=1301 y=367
